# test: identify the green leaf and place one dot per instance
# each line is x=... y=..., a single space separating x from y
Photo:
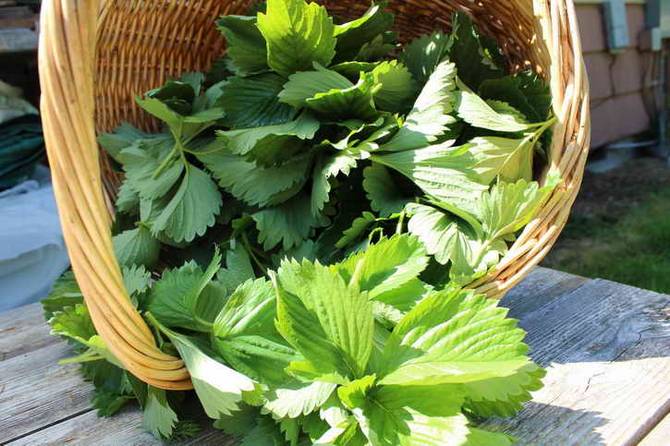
x=432 y=113
x=249 y=311
x=274 y=144
x=511 y=206
x=392 y=420
x=297 y=35
x=257 y=357
x=351 y=36
x=137 y=247
x=325 y=171
x=220 y=389
x=174 y=298
x=73 y=322
x=192 y=210
x=525 y=91
x=246 y=48
x=490 y=115
x=442 y=171
x=451 y=240
x=159 y=418
x=265 y=433
x=385 y=266
x=136 y=279
x=507 y=159
x=503 y=397
x=253 y=101
x=307 y=84
x=473 y=56
x=152 y=167
x=353 y=69
x=454 y=336
x=289 y=224
x=383 y=192
x=109 y=402
x=377 y=48
x=353 y=102
x=257 y=185
x=300 y=399
x=238 y=268
x=358 y=228
x=353 y=394
x=65 y=293
x=328 y=322
x=423 y=55
x=121 y=138
x=127 y=199
x=397 y=86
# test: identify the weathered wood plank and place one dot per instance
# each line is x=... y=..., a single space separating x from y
x=23 y=330
x=540 y=288
x=35 y=391
x=122 y=429
x=17 y=40
x=660 y=436
x=608 y=351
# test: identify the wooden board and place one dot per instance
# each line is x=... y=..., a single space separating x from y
x=606 y=346
x=660 y=436
x=17 y=40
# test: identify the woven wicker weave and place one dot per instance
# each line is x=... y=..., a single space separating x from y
x=95 y=56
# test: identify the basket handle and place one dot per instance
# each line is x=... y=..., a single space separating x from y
x=67 y=76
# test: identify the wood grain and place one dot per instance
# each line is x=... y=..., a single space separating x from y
x=35 y=391
x=23 y=330
x=607 y=347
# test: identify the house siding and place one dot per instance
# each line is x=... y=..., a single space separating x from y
x=617 y=80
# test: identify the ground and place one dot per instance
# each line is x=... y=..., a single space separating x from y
x=620 y=227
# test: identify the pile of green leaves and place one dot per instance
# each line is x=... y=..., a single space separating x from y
x=313 y=142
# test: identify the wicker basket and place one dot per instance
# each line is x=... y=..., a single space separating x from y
x=95 y=56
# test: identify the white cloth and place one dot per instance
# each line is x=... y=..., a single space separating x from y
x=32 y=251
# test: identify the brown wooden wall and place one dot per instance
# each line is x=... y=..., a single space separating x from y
x=620 y=106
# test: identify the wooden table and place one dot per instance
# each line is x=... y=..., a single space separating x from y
x=606 y=346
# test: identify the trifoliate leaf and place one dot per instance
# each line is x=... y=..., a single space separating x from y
x=305 y=85
x=351 y=36
x=274 y=144
x=328 y=322
x=385 y=265
x=297 y=35
x=257 y=185
x=397 y=86
x=358 y=228
x=192 y=209
x=472 y=57
x=424 y=54
x=298 y=400
x=159 y=418
x=289 y=223
x=220 y=389
x=253 y=102
x=326 y=170
x=491 y=115
x=174 y=298
x=246 y=48
x=383 y=191
x=432 y=113
x=137 y=247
